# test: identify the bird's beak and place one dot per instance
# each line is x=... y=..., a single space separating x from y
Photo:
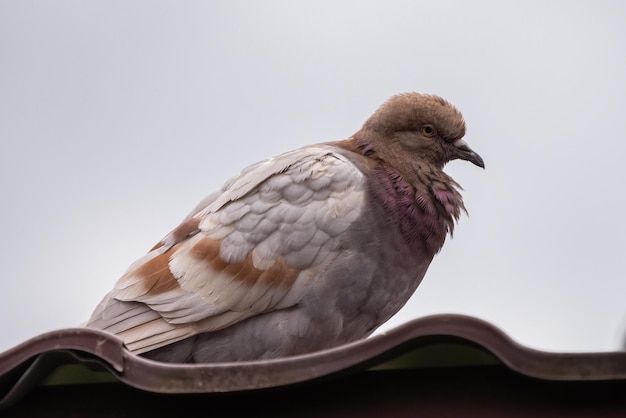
x=464 y=152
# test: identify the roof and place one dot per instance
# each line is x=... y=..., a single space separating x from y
x=76 y=360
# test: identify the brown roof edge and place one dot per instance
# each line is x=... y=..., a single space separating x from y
x=29 y=363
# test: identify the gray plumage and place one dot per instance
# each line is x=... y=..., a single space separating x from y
x=313 y=248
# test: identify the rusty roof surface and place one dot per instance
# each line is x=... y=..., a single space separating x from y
x=38 y=360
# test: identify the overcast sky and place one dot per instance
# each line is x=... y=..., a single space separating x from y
x=117 y=117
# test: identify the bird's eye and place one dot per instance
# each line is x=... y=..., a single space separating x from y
x=428 y=130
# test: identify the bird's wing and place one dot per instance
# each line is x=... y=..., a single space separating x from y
x=251 y=248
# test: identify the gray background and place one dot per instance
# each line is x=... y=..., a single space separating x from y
x=117 y=117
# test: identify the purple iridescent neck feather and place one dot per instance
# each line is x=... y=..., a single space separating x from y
x=424 y=215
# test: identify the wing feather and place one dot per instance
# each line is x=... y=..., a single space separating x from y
x=251 y=248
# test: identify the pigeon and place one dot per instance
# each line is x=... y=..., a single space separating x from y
x=312 y=249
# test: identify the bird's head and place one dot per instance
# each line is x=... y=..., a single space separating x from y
x=417 y=125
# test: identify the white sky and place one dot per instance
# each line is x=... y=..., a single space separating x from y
x=117 y=117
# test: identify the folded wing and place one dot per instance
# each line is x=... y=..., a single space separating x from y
x=251 y=248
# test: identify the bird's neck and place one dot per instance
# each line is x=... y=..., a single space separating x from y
x=416 y=211
x=422 y=201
